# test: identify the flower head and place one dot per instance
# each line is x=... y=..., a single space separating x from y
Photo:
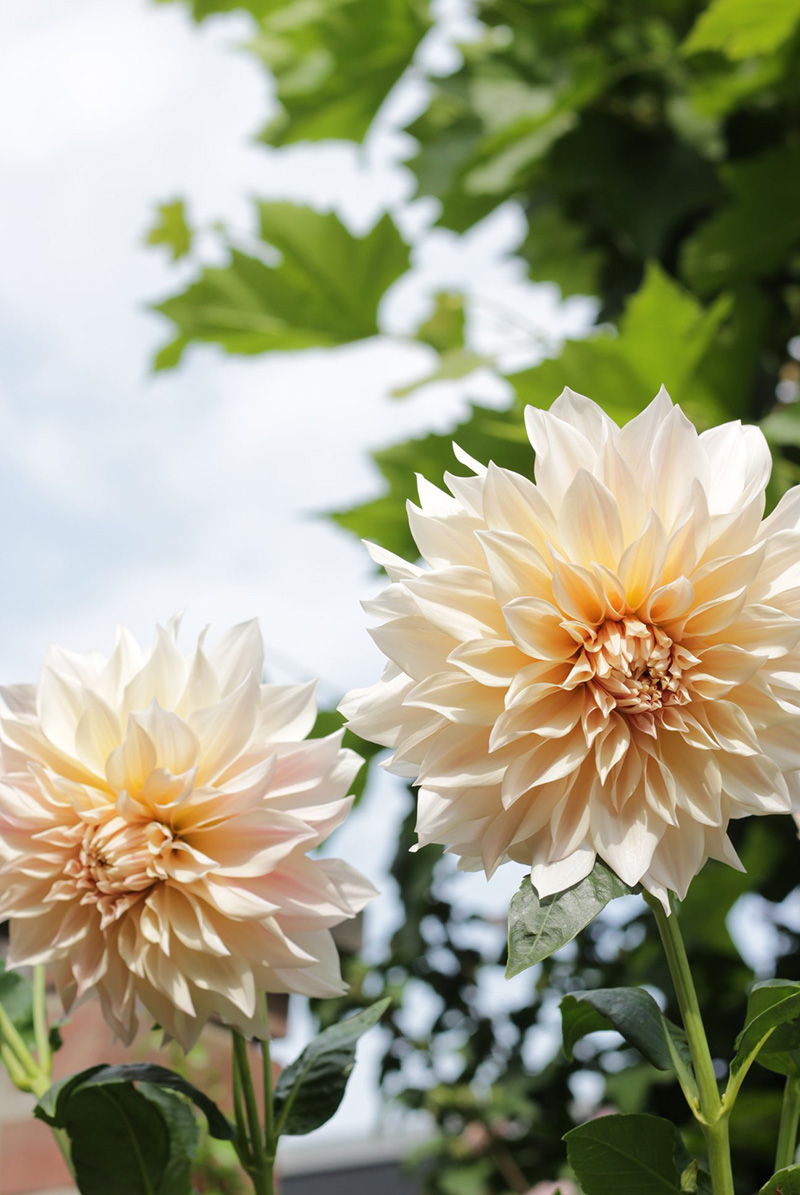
x=155 y=815
x=599 y=662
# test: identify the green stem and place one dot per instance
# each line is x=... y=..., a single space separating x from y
x=242 y=1142
x=19 y=1076
x=712 y=1115
x=269 y=1109
x=790 y=1118
x=261 y=1168
x=40 y=1027
x=12 y=1038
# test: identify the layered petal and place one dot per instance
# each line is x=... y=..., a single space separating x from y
x=617 y=672
x=154 y=822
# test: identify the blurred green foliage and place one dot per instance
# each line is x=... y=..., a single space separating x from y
x=653 y=147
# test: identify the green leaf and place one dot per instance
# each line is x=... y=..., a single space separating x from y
x=54 y=1103
x=757 y=232
x=16 y=997
x=782 y=425
x=626 y=1155
x=773 y=1005
x=537 y=928
x=781 y=1052
x=743 y=28
x=665 y=338
x=632 y=1012
x=443 y=330
x=324 y=290
x=201 y=9
x=454 y=364
x=335 y=62
x=119 y=1139
x=487 y=434
x=555 y=251
x=783 y=1182
x=184 y=1138
x=171 y=229
x=310 y=1089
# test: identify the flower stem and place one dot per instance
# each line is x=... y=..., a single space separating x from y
x=261 y=1167
x=790 y=1117
x=40 y=1026
x=242 y=1142
x=712 y=1116
x=13 y=1040
x=269 y=1110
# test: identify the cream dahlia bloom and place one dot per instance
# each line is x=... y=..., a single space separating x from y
x=155 y=815
x=600 y=662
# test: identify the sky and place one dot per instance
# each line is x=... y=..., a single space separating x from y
x=129 y=496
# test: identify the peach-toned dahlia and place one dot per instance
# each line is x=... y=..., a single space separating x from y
x=602 y=661
x=155 y=815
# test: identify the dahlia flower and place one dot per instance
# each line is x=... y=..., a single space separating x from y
x=155 y=815
x=601 y=661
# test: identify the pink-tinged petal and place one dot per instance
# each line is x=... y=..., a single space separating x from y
x=251 y=845
x=288 y=712
x=20 y=699
x=224 y=730
x=238 y=656
x=141 y=877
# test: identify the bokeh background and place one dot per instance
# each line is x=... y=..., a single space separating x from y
x=374 y=225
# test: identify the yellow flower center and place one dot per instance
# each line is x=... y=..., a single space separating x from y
x=638 y=666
